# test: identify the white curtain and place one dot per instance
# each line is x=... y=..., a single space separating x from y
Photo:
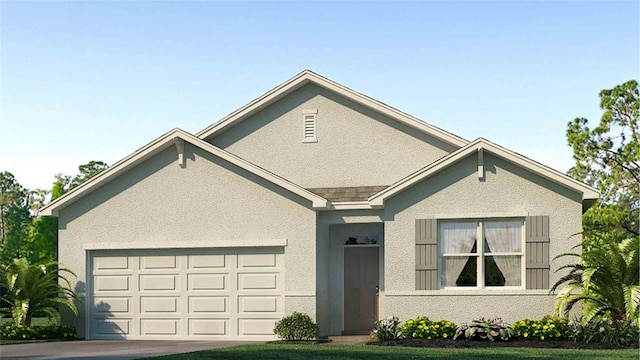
x=506 y=237
x=457 y=238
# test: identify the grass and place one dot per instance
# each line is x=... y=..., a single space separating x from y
x=364 y=352
x=34 y=321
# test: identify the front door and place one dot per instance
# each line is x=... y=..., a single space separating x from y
x=360 y=288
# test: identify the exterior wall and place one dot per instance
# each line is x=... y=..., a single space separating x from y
x=334 y=227
x=356 y=146
x=456 y=192
x=208 y=201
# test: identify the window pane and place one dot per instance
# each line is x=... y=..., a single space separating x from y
x=458 y=238
x=503 y=270
x=503 y=236
x=459 y=271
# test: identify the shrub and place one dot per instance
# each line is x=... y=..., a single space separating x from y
x=424 y=328
x=50 y=332
x=600 y=329
x=387 y=329
x=296 y=327
x=547 y=328
x=485 y=329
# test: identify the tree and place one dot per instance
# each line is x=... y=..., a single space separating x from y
x=14 y=215
x=87 y=171
x=35 y=287
x=606 y=281
x=607 y=157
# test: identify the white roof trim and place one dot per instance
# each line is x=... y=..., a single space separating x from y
x=114 y=245
x=307 y=76
x=160 y=144
x=588 y=192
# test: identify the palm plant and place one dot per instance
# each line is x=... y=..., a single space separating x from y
x=606 y=281
x=35 y=287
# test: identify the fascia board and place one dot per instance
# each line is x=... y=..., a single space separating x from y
x=588 y=192
x=309 y=76
x=162 y=143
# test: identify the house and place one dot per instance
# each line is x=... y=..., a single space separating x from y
x=317 y=199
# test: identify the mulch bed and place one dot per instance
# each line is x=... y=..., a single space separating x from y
x=447 y=343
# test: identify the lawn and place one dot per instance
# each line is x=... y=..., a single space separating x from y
x=34 y=321
x=367 y=352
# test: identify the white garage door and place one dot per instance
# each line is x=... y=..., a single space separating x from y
x=180 y=294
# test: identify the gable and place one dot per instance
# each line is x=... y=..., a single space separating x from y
x=356 y=146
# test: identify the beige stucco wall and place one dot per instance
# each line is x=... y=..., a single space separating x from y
x=210 y=201
x=356 y=146
x=456 y=192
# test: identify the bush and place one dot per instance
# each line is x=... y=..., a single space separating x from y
x=424 y=328
x=547 y=328
x=37 y=332
x=600 y=329
x=387 y=329
x=485 y=329
x=296 y=327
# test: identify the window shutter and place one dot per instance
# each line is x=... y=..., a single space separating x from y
x=537 y=252
x=426 y=254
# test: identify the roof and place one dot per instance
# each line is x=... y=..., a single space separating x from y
x=589 y=193
x=170 y=139
x=347 y=194
x=308 y=76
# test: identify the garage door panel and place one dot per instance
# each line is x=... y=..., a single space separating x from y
x=207 y=261
x=112 y=327
x=208 y=304
x=158 y=304
x=157 y=262
x=207 y=282
x=249 y=327
x=166 y=327
x=111 y=263
x=257 y=260
x=109 y=305
x=112 y=282
x=257 y=281
x=158 y=282
x=209 y=327
x=248 y=304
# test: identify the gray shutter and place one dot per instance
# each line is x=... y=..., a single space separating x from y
x=537 y=252
x=426 y=254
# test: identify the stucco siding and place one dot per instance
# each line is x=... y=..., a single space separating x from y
x=456 y=192
x=209 y=201
x=356 y=146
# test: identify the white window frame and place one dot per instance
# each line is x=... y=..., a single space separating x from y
x=310 y=115
x=481 y=255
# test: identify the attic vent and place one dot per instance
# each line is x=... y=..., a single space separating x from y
x=310 y=117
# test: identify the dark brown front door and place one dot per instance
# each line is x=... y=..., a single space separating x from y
x=361 y=274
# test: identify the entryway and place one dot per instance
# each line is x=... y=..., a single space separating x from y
x=361 y=285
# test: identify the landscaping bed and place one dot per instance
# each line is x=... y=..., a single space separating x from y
x=554 y=344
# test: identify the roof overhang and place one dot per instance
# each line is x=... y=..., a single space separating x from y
x=308 y=76
x=175 y=138
x=480 y=146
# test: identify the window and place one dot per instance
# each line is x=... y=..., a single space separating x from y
x=309 y=125
x=497 y=262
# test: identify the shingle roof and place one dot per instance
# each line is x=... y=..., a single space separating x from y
x=342 y=194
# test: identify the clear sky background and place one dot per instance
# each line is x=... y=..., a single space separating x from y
x=83 y=81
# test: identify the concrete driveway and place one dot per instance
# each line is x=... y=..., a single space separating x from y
x=108 y=349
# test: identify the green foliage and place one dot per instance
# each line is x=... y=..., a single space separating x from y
x=86 y=172
x=43 y=239
x=485 y=329
x=35 y=287
x=604 y=330
x=14 y=216
x=387 y=329
x=607 y=157
x=605 y=281
x=547 y=328
x=296 y=327
x=37 y=332
x=424 y=328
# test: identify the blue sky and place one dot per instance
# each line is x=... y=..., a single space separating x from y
x=83 y=81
